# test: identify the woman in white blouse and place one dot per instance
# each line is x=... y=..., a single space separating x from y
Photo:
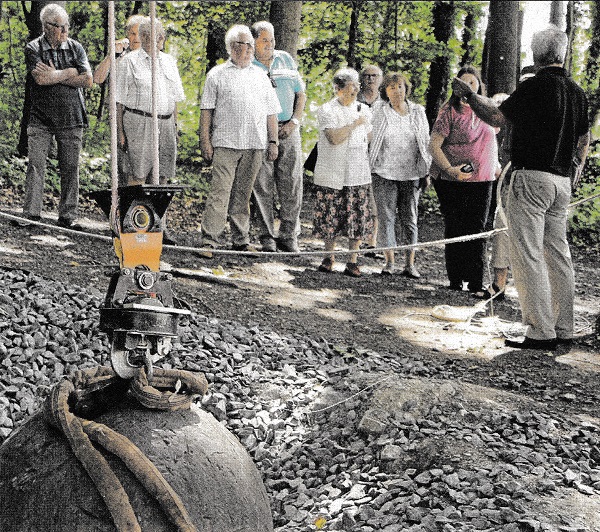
x=400 y=161
x=342 y=175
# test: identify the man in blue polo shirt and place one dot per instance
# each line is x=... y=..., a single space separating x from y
x=283 y=175
x=60 y=70
x=550 y=139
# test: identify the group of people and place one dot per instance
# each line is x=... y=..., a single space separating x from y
x=375 y=155
x=59 y=69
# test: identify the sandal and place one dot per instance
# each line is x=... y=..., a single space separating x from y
x=326 y=266
x=491 y=292
x=352 y=269
x=496 y=292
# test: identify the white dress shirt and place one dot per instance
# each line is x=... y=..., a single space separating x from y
x=241 y=100
x=134 y=82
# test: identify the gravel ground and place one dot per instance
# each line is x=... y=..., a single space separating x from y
x=346 y=438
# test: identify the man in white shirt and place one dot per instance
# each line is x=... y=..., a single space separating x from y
x=238 y=122
x=134 y=106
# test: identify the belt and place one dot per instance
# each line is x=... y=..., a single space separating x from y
x=553 y=172
x=148 y=115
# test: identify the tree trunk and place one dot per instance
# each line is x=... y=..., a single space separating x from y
x=353 y=35
x=443 y=27
x=34 y=25
x=468 y=35
x=503 y=52
x=285 y=17
x=557 y=14
x=592 y=69
x=570 y=30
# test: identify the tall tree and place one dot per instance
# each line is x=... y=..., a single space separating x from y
x=500 y=70
x=557 y=13
x=443 y=28
x=468 y=35
x=571 y=34
x=353 y=35
x=34 y=25
x=285 y=17
x=591 y=81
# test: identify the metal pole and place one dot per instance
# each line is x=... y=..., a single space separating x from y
x=112 y=116
x=154 y=56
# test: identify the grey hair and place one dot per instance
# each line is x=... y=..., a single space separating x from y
x=549 y=46
x=234 y=32
x=145 y=28
x=133 y=20
x=51 y=12
x=369 y=66
x=263 y=25
x=344 y=76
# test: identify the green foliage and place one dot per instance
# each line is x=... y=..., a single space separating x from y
x=584 y=222
x=395 y=35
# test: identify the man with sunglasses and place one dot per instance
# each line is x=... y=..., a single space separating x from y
x=60 y=70
x=238 y=124
x=283 y=176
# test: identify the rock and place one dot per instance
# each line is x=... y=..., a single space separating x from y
x=206 y=465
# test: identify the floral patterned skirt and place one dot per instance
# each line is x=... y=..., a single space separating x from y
x=344 y=212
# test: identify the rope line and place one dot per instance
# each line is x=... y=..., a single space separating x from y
x=84 y=387
x=273 y=254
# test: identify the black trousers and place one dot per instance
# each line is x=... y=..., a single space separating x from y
x=465 y=208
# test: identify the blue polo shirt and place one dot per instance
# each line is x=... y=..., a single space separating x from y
x=57 y=106
x=284 y=72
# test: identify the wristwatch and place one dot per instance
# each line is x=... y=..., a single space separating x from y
x=276 y=142
x=295 y=120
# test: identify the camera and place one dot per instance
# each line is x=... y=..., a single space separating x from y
x=466 y=168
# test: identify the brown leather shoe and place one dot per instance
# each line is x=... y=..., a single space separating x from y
x=326 y=266
x=352 y=270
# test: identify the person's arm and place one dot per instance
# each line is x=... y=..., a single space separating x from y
x=272 y=136
x=206 y=147
x=440 y=159
x=122 y=140
x=484 y=108
x=102 y=70
x=299 y=103
x=44 y=74
x=338 y=135
x=84 y=80
x=581 y=151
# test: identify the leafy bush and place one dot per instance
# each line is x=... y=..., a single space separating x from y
x=584 y=221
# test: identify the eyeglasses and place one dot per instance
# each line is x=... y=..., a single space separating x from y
x=370 y=75
x=63 y=27
x=249 y=45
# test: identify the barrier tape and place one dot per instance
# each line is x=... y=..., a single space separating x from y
x=273 y=254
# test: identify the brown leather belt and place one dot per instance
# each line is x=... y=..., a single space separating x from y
x=147 y=115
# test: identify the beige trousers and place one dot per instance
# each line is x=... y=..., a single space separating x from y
x=539 y=252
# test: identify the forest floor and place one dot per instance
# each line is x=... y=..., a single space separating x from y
x=391 y=316
x=288 y=294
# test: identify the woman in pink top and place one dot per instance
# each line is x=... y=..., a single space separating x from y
x=465 y=163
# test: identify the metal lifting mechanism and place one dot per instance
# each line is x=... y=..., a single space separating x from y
x=139 y=312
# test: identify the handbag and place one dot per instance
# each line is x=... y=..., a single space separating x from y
x=311 y=160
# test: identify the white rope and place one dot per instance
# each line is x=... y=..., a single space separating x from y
x=272 y=254
x=112 y=116
x=154 y=57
